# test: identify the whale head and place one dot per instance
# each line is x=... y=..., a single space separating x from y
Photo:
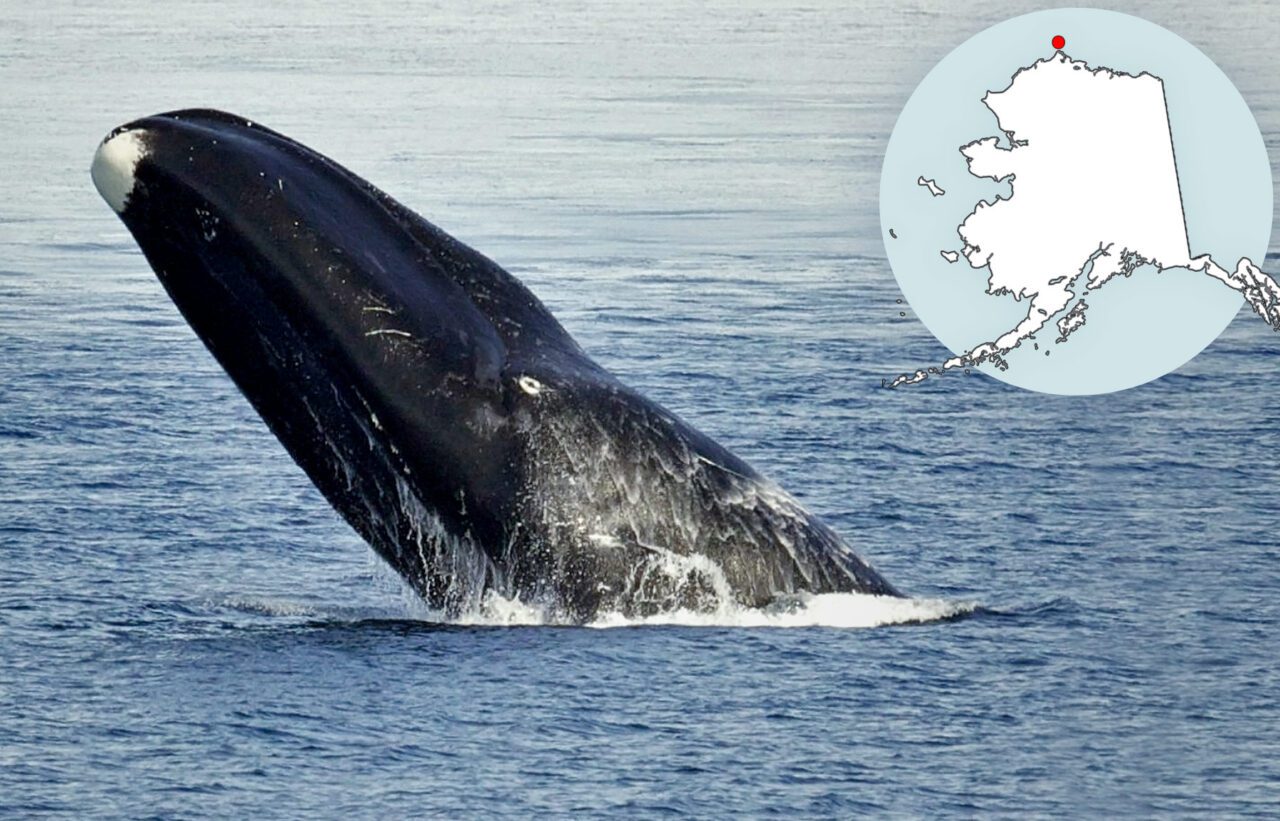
x=375 y=346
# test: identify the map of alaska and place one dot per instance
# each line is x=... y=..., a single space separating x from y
x=1089 y=156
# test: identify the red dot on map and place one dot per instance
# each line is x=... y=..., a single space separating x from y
x=1059 y=42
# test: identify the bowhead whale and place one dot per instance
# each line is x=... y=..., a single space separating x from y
x=436 y=403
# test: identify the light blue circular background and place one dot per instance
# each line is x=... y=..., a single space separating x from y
x=1139 y=328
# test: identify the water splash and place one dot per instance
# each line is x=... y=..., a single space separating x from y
x=492 y=609
x=676 y=590
x=839 y=610
x=834 y=610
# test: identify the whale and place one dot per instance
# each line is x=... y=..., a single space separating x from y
x=437 y=404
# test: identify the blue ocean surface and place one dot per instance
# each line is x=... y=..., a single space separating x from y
x=188 y=630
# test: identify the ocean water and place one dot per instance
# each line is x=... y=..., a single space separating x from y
x=186 y=629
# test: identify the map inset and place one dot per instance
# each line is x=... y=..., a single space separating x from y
x=1087 y=159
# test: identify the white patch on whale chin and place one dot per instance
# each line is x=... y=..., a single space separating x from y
x=530 y=385
x=113 y=167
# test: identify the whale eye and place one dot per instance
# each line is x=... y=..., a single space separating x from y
x=529 y=385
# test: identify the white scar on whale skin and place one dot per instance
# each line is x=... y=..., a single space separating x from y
x=113 y=167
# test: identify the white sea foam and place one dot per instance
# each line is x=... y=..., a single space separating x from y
x=832 y=610
x=844 y=610
x=836 y=610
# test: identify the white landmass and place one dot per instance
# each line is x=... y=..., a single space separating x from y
x=1072 y=321
x=1090 y=161
x=931 y=185
x=950 y=256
